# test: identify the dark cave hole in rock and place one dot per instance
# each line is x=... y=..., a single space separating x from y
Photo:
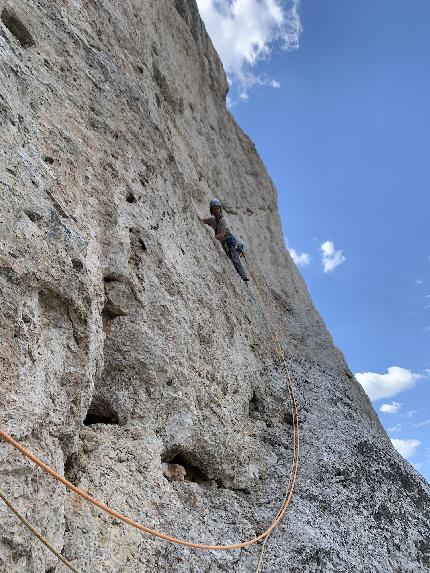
x=48 y=160
x=17 y=28
x=131 y=197
x=110 y=312
x=254 y=405
x=110 y=279
x=77 y=264
x=101 y=412
x=33 y=216
x=193 y=472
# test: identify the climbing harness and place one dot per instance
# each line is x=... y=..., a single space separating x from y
x=169 y=538
x=240 y=247
x=233 y=243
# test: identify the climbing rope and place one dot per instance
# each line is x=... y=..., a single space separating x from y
x=294 y=407
x=169 y=538
x=261 y=556
x=148 y=530
x=35 y=532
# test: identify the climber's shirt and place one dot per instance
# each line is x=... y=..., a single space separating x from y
x=231 y=245
x=220 y=225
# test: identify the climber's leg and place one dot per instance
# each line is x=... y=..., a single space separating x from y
x=234 y=255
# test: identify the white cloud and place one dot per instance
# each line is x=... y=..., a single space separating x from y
x=244 y=31
x=331 y=258
x=419 y=282
x=406 y=448
x=411 y=413
x=396 y=428
x=425 y=423
x=275 y=84
x=387 y=385
x=302 y=259
x=392 y=408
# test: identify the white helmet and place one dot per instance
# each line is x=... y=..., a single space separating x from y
x=215 y=203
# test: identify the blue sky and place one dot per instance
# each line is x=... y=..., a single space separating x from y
x=336 y=96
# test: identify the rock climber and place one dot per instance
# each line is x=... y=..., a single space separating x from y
x=219 y=223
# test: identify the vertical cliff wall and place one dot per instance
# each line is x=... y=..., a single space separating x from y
x=133 y=358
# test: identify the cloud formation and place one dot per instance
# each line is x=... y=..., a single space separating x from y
x=425 y=423
x=302 y=259
x=406 y=448
x=387 y=385
x=331 y=258
x=244 y=32
x=392 y=408
x=396 y=428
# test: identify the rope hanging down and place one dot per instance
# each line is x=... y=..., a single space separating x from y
x=36 y=533
x=160 y=535
x=153 y=532
x=294 y=408
x=169 y=538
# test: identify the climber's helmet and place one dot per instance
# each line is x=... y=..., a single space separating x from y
x=215 y=206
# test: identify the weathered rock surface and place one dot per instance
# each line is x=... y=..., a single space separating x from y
x=133 y=358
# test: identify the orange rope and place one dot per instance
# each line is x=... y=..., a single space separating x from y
x=293 y=402
x=169 y=538
x=148 y=530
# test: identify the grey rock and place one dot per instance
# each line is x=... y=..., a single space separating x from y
x=133 y=358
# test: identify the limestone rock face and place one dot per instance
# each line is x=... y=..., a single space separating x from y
x=134 y=360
